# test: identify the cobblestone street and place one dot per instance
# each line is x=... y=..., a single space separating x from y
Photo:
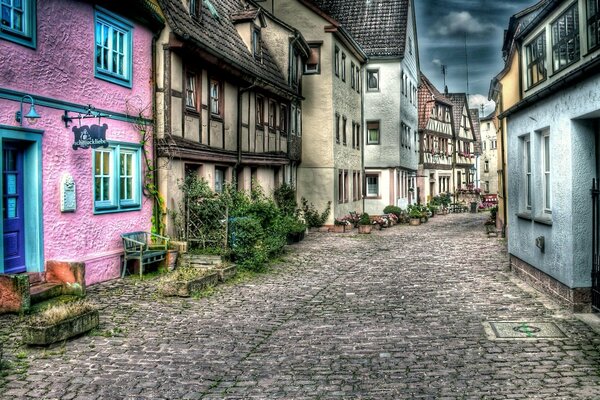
x=397 y=314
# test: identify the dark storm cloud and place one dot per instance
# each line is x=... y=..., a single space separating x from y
x=444 y=25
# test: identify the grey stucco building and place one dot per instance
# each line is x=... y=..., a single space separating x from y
x=553 y=152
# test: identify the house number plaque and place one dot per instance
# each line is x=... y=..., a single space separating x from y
x=68 y=201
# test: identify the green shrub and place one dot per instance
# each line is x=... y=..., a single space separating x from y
x=397 y=211
x=364 y=219
x=246 y=238
x=285 y=198
x=312 y=216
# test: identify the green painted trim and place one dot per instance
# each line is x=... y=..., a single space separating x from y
x=30 y=38
x=116 y=206
x=32 y=165
x=8 y=94
x=124 y=25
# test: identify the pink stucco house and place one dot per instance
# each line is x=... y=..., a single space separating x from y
x=73 y=180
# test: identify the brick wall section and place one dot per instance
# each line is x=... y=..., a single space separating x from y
x=576 y=299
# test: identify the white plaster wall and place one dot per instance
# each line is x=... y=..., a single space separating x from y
x=384 y=106
x=572 y=146
x=491 y=155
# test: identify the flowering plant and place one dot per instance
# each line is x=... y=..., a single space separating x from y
x=340 y=221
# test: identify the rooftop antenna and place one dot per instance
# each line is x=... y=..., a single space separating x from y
x=467 y=65
x=482 y=110
x=444 y=70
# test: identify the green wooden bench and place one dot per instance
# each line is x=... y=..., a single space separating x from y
x=145 y=247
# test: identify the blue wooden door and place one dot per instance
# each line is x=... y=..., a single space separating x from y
x=12 y=209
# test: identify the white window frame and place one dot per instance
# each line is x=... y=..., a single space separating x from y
x=546 y=175
x=215 y=98
x=527 y=172
x=375 y=179
x=375 y=74
x=191 y=88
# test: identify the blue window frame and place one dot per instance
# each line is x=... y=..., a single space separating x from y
x=18 y=21
x=114 y=42
x=117 y=184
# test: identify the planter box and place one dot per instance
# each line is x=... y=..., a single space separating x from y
x=63 y=330
x=202 y=261
x=415 y=221
x=339 y=228
x=365 y=228
x=187 y=288
x=226 y=273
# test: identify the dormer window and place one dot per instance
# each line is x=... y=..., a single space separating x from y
x=193 y=8
x=256 y=44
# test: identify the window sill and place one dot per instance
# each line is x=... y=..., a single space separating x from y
x=192 y=111
x=525 y=215
x=101 y=211
x=543 y=219
x=216 y=117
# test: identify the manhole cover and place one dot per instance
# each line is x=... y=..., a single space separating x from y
x=525 y=330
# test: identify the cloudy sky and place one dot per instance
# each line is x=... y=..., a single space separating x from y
x=442 y=25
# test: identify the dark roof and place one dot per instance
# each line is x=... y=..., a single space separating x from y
x=220 y=37
x=488 y=117
x=476 y=130
x=459 y=101
x=427 y=93
x=379 y=26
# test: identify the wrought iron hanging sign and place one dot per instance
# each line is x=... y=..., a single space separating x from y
x=87 y=136
x=93 y=136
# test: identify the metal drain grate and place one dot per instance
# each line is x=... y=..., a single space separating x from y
x=524 y=330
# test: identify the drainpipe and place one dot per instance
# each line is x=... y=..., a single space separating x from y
x=363 y=144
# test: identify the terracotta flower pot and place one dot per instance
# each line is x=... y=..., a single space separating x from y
x=339 y=228
x=365 y=228
x=415 y=221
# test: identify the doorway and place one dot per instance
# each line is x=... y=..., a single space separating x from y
x=13 y=210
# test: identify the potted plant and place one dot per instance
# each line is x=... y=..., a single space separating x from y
x=414 y=213
x=61 y=322
x=364 y=223
x=339 y=225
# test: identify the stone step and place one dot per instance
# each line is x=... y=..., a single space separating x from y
x=44 y=291
x=200 y=259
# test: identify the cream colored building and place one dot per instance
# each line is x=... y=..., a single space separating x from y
x=332 y=145
x=229 y=106
x=488 y=162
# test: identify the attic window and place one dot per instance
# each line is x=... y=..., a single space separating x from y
x=313 y=64
x=256 y=44
x=211 y=9
x=193 y=8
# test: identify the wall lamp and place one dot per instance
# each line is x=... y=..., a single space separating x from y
x=32 y=116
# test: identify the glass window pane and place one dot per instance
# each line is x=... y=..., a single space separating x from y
x=105 y=163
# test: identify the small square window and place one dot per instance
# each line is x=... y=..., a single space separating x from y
x=372 y=185
x=113 y=48
x=313 y=64
x=18 y=21
x=373 y=134
x=372 y=79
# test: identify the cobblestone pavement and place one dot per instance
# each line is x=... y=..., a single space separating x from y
x=398 y=314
